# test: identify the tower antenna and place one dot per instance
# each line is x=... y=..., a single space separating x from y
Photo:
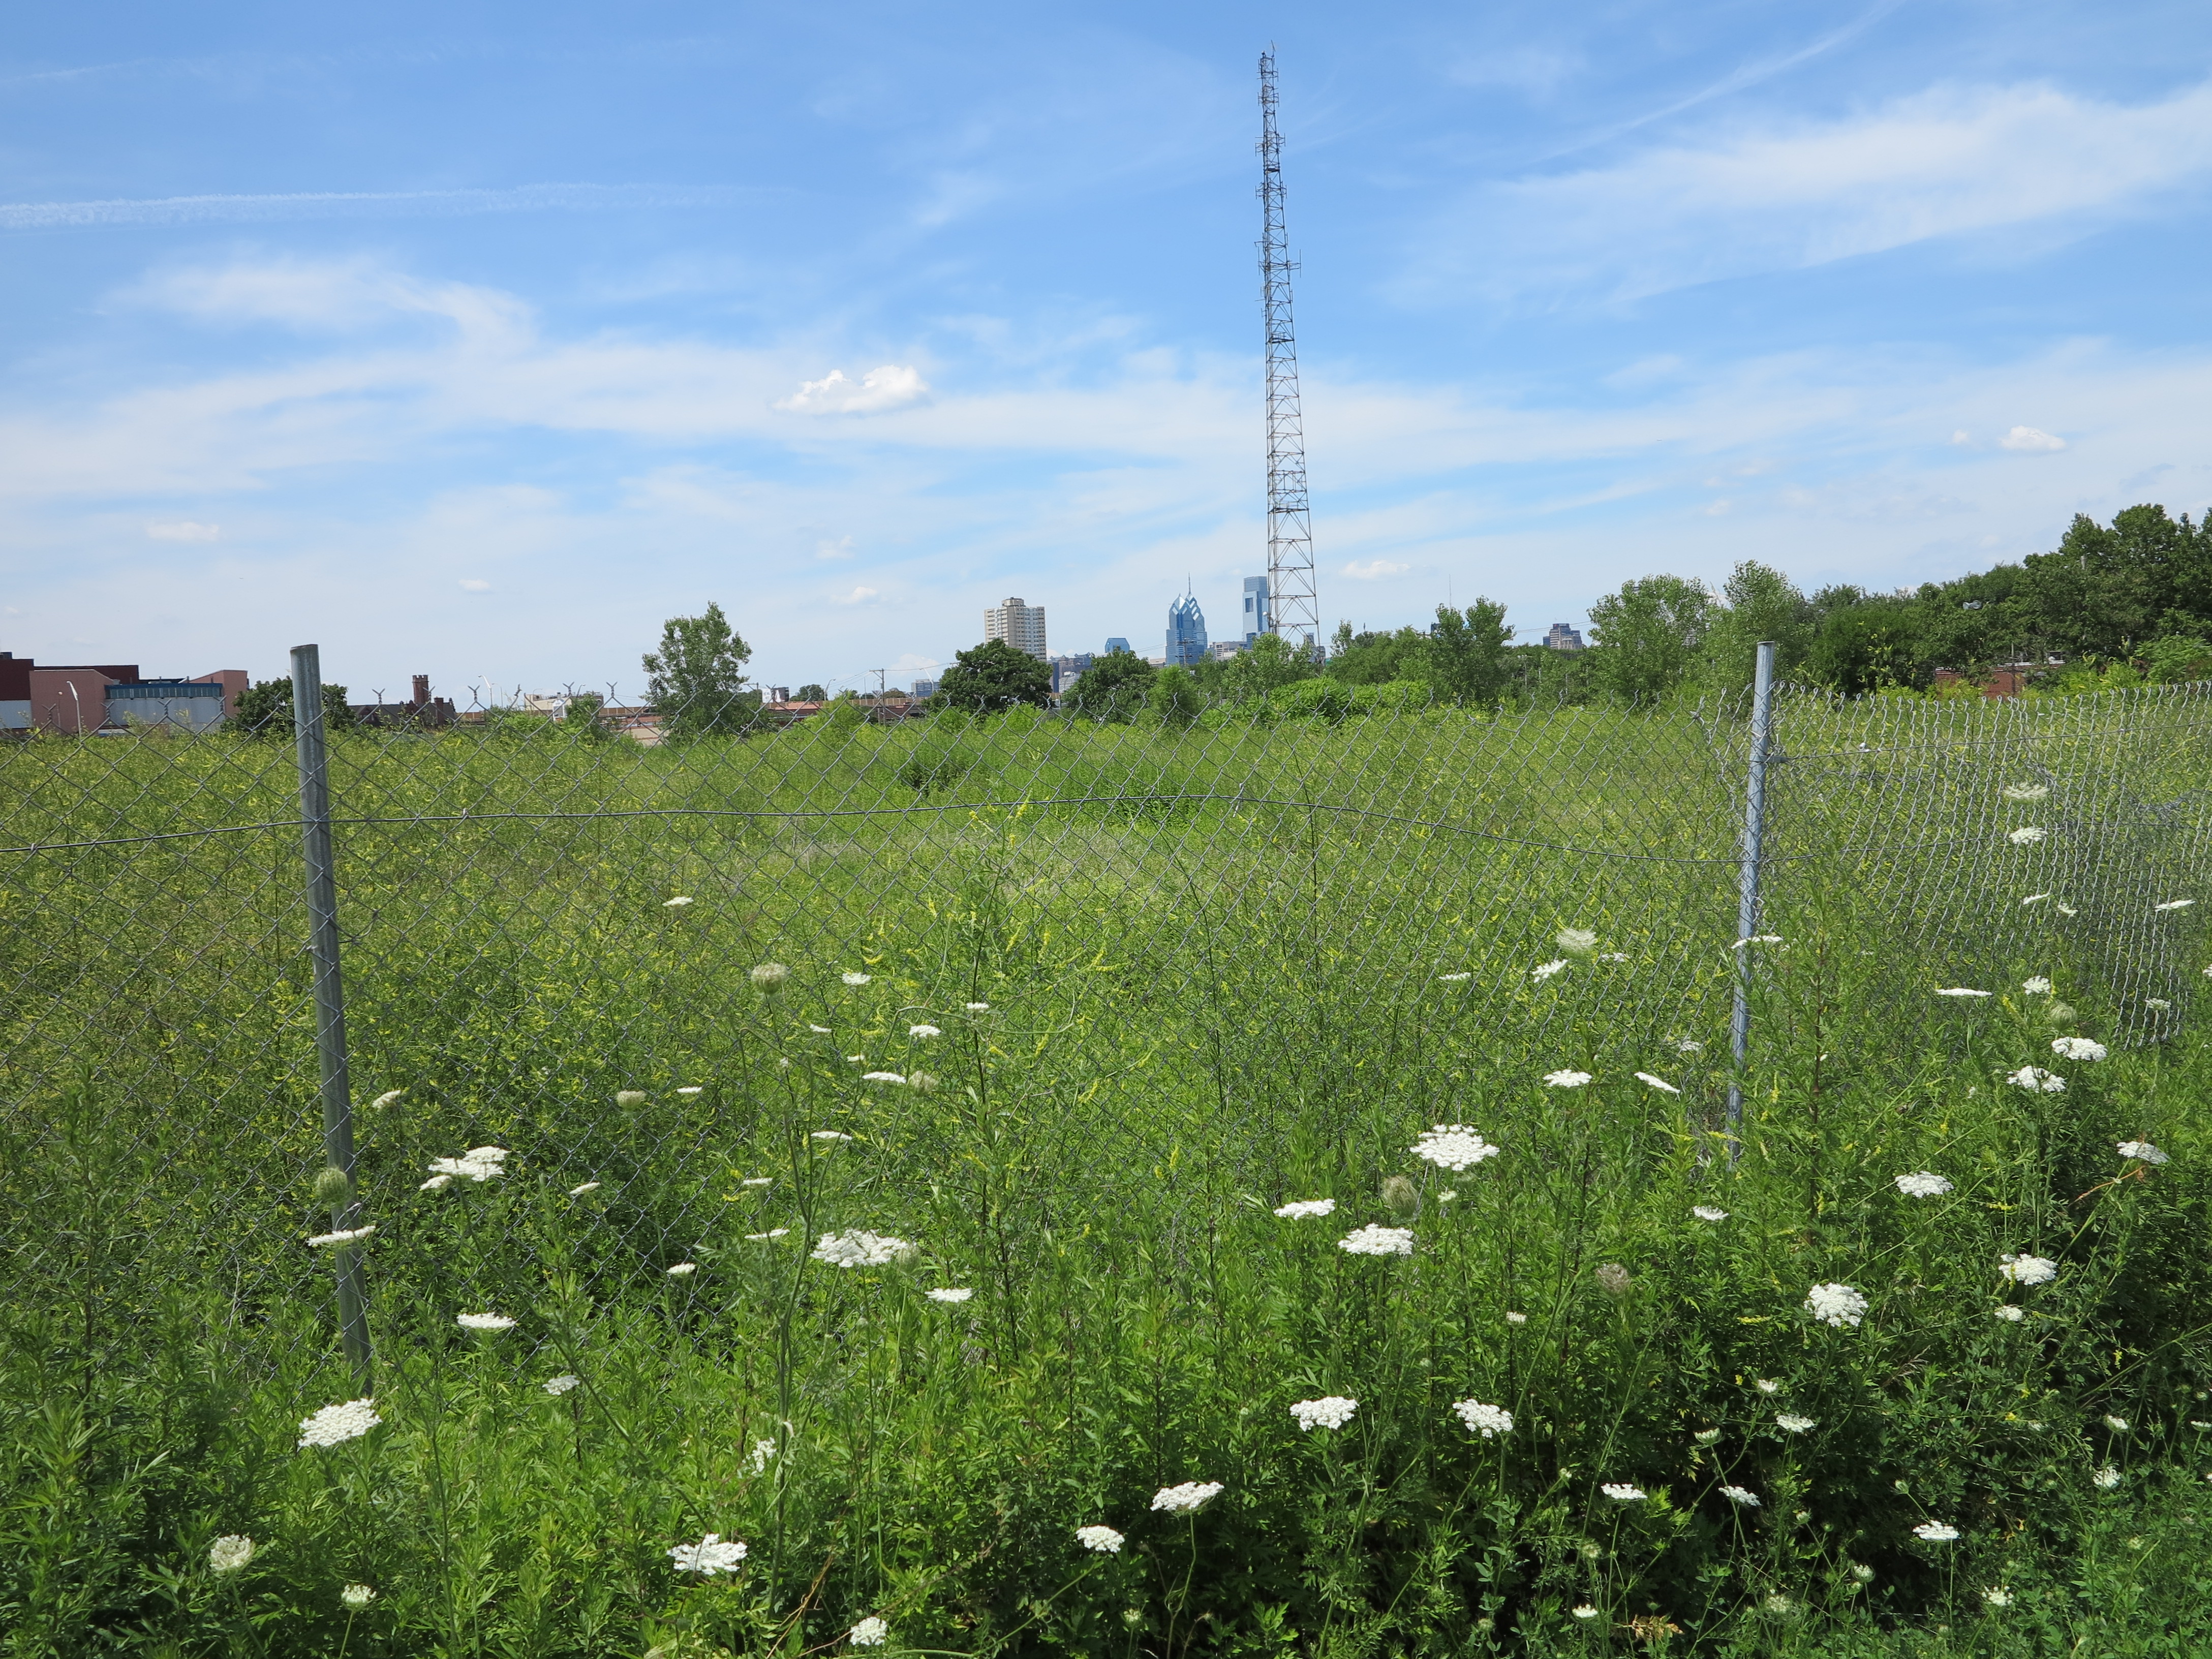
x=1293 y=601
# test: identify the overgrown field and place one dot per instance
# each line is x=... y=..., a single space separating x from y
x=1123 y=1036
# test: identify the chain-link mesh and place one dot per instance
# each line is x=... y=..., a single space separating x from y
x=1199 y=935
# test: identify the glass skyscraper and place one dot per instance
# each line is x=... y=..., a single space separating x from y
x=1186 y=633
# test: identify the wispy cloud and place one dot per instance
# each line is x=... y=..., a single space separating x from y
x=230 y=208
x=1369 y=570
x=891 y=386
x=184 y=530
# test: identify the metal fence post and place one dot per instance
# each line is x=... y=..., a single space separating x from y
x=329 y=993
x=1746 y=885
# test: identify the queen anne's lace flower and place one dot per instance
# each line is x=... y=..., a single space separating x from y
x=356 y=1596
x=1741 y=1496
x=676 y=904
x=2142 y=1152
x=828 y=1134
x=2028 y=1269
x=333 y=1425
x=1835 y=1304
x=2035 y=1078
x=1563 y=1079
x=1378 y=1241
x=1621 y=1492
x=389 y=1097
x=1791 y=1422
x=1544 y=970
x=2174 y=904
x=1576 y=941
x=977 y=1008
x=2009 y=1314
x=588 y=1187
x=1658 y=1083
x=2105 y=1477
x=2026 y=791
x=2074 y=1048
x=860 y=1249
x=1187 y=1498
x=321 y=1239
x=1453 y=1147
x=924 y=1032
x=1689 y=1045
x=763 y=1454
x=1488 y=1421
x=710 y=1556
x=1922 y=1184
x=1707 y=1212
x=882 y=1077
x=855 y=979
x=1104 y=1539
x=1963 y=991
x=479 y=1163
x=1585 y=1612
x=1454 y=979
x=557 y=1386
x=762 y=1238
x=2036 y=987
x=870 y=1632
x=1329 y=1412
x=1997 y=1597
x=951 y=1293
x=684 y=1270
x=1302 y=1209
x=2027 y=835
x=484 y=1322
x=1517 y=1319
x=229 y=1553
x=1936 y=1532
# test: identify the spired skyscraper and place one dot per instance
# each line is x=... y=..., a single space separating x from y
x=1186 y=633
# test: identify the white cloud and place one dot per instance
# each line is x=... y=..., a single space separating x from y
x=331 y=204
x=1369 y=570
x=891 y=387
x=840 y=549
x=184 y=530
x=1961 y=437
x=1946 y=161
x=1717 y=509
x=910 y=664
x=475 y=585
x=2027 y=437
x=858 y=596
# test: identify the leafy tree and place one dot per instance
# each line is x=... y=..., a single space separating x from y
x=1538 y=676
x=1114 y=687
x=1871 y=647
x=2177 y=658
x=1647 y=635
x=1177 y=699
x=1373 y=658
x=1268 y=663
x=1467 y=653
x=810 y=694
x=696 y=680
x=582 y=715
x=1762 y=604
x=993 y=676
x=265 y=710
x=846 y=711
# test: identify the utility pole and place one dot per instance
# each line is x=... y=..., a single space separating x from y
x=1293 y=600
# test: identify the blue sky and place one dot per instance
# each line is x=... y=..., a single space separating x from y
x=476 y=339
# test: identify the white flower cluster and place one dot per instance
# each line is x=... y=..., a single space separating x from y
x=882 y=1077
x=855 y=979
x=1962 y=991
x=479 y=1163
x=2077 y=1048
x=870 y=1632
x=1563 y=1079
x=2027 y=836
x=1331 y=1411
x=229 y=1553
x=1302 y=1209
x=761 y=1238
x=2105 y=1477
x=2173 y=904
x=1922 y=1184
x=923 y=1032
x=1544 y=970
x=1576 y=941
x=763 y=1454
x=1658 y=1083
x=2009 y=1314
x=1707 y=1212
x=2142 y=1152
x=2026 y=791
x=860 y=1249
x=828 y=1134
x=1372 y=1240
x=588 y=1187
x=1453 y=1147
x=557 y=1386
x=1454 y=979
x=710 y=1556
x=358 y=1596
x=1104 y=1539
x=321 y=1239
x=951 y=1293
x=1936 y=1532
x=1740 y=1497
x=2035 y=1078
x=1792 y=1423
x=333 y=1425
x=684 y=1270
x=1186 y=1498
x=1488 y=1421
x=1835 y=1304
x=1621 y=1492
x=2036 y=987
x=2028 y=1269
x=484 y=1322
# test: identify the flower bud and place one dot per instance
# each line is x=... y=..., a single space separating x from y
x=333 y=1190
x=769 y=977
x=1402 y=1196
x=1613 y=1279
x=920 y=1082
x=629 y=1097
x=907 y=1254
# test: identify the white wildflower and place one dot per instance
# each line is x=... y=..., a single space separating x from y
x=479 y=1163
x=348 y=1237
x=1835 y=1305
x=557 y=1386
x=1792 y=1423
x=588 y=1187
x=2116 y=1425
x=693 y=1089
x=484 y=1322
x=2157 y=1004
x=2026 y=791
x=2035 y=1078
x=1779 y=1605
x=1757 y=938
x=924 y=1032
x=1372 y=1240
x=1331 y=1411
x=684 y=1270
x=2034 y=898
x=1453 y=1147
x=1740 y=1497
x=762 y=1238
x=676 y=904
x=2065 y=910
x=977 y=1008
x=2027 y=836
x=2036 y=987
x=631 y=1096
x=710 y=1556
x=1766 y=1385
x=951 y=1293
x=2028 y=1269
x=1621 y=1492
x=2009 y=1314
x=870 y=1632
x=434 y=1183
x=1544 y=970
x=1186 y=1498
x=1454 y=979
x=757 y=1181
x=334 y=1425
x=763 y=1454
x=229 y=1553
x=2105 y=1477
x=1517 y=1319
x=2073 y=1048
x=828 y=1134
x=1936 y=1532
x=1658 y=1083
x=2173 y=904
x=1963 y=991
x=1448 y=1194
x=1565 y=1079
x=818 y=1030
x=1922 y=1184
x=883 y=1076
x=389 y=1097
x=769 y=977
x=860 y=1249
x=1584 y=1612
x=1301 y=1209
x=1613 y=956
x=1707 y=1437
x=1488 y=1421
x=356 y=1596
x=1707 y=1212
x=1104 y=1539
x=2142 y=1152
x=1997 y=1597
x=1576 y=941
x=856 y=979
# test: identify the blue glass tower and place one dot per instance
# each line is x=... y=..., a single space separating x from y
x=1186 y=633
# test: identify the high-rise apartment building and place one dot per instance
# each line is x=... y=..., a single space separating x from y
x=1020 y=625
x=1564 y=638
x=1186 y=633
x=1258 y=618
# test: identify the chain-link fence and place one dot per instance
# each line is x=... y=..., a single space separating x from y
x=1199 y=935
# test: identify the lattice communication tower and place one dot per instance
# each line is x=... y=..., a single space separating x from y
x=1294 y=602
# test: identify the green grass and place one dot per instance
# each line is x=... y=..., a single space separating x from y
x=1212 y=961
